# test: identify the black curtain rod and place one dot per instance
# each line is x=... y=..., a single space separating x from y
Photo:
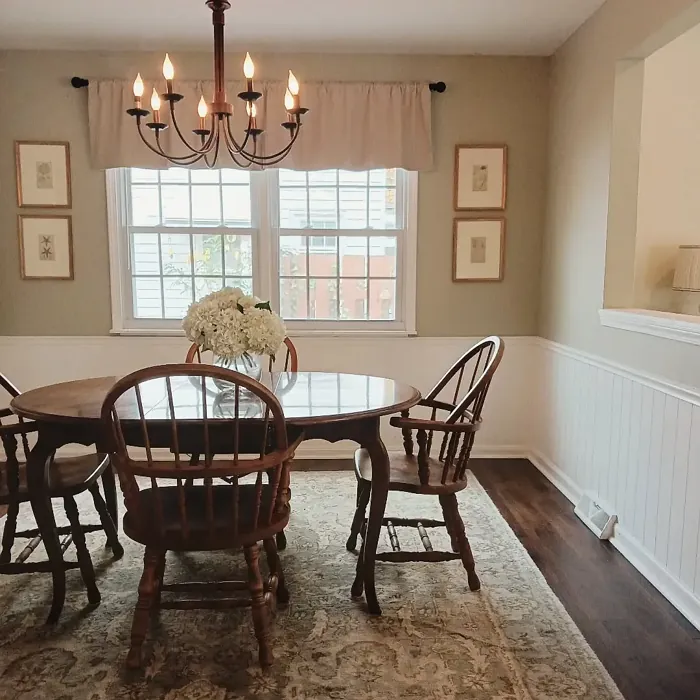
x=84 y=82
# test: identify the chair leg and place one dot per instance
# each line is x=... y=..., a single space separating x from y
x=148 y=591
x=447 y=515
x=8 y=534
x=358 y=585
x=364 y=489
x=280 y=537
x=275 y=566
x=160 y=575
x=111 y=498
x=84 y=561
x=261 y=618
x=456 y=528
x=108 y=524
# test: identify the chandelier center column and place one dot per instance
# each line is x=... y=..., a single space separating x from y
x=219 y=105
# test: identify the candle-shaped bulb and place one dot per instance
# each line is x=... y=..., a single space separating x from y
x=293 y=84
x=168 y=68
x=202 y=108
x=288 y=100
x=138 y=86
x=155 y=101
x=251 y=109
x=248 y=67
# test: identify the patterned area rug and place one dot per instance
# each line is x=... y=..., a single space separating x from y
x=436 y=639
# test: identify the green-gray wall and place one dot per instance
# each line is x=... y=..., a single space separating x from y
x=580 y=147
x=488 y=100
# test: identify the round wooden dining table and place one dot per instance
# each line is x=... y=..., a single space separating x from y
x=327 y=406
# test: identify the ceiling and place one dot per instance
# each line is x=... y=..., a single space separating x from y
x=497 y=27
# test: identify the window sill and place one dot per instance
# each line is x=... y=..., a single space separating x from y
x=348 y=333
x=662 y=324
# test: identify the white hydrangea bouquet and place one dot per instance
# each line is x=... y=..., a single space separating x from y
x=236 y=327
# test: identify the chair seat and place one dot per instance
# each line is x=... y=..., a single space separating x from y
x=227 y=534
x=404 y=474
x=68 y=475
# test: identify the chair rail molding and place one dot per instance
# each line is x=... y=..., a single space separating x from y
x=662 y=324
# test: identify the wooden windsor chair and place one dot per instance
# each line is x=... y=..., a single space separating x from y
x=286 y=362
x=174 y=505
x=442 y=475
x=67 y=477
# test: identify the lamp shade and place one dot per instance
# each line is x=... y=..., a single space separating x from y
x=687 y=276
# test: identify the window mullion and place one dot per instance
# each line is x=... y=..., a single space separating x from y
x=263 y=244
x=265 y=235
x=222 y=236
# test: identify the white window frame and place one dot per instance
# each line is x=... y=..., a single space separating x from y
x=265 y=276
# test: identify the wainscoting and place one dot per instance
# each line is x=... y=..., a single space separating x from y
x=631 y=440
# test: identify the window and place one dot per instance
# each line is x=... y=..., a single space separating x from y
x=333 y=250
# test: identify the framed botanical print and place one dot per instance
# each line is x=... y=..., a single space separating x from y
x=480 y=177
x=43 y=174
x=478 y=250
x=46 y=247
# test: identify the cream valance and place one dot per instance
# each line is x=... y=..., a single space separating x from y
x=354 y=126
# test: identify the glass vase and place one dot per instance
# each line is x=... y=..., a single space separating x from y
x=250 y=365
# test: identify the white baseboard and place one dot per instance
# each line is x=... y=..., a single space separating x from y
x=672 y=589
x=555 y=476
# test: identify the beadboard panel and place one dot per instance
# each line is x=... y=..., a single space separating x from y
x=633 y=442
x=35 y=361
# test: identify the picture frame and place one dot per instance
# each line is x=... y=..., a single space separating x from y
x=480 y=177
x=479 y=250
x=43 y=174
x=45 y=246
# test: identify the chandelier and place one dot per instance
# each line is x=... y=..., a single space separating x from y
x=214 y=132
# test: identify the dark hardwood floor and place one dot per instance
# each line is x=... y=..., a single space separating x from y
x=649 y=649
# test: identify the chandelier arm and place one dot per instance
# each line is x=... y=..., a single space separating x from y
x=234 y=152
x=158 y=151
x=215 y=151
x=176 y=160
x=273 y=158
x=206 y=147
x=239 y=148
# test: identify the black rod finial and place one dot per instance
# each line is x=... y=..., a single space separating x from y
x=437 y=87
x=79 y=82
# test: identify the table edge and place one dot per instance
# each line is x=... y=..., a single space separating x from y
x=308 y=420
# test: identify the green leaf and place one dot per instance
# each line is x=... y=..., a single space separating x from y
x=264 y=305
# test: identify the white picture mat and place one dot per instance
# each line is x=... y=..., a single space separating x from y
x=30 y=157
x=469 y=157
x=32 y=229
x=465 y=232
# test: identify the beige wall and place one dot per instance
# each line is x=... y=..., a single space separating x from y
x=668 y=210
x=495 y=100
x=581 y=119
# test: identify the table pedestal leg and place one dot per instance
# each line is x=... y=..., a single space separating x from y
x=111 y=499
x=364 y=577
x=37 y=482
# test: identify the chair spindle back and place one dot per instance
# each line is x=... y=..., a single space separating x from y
x=462 y=401
x=245 y=446
x=9 y=440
